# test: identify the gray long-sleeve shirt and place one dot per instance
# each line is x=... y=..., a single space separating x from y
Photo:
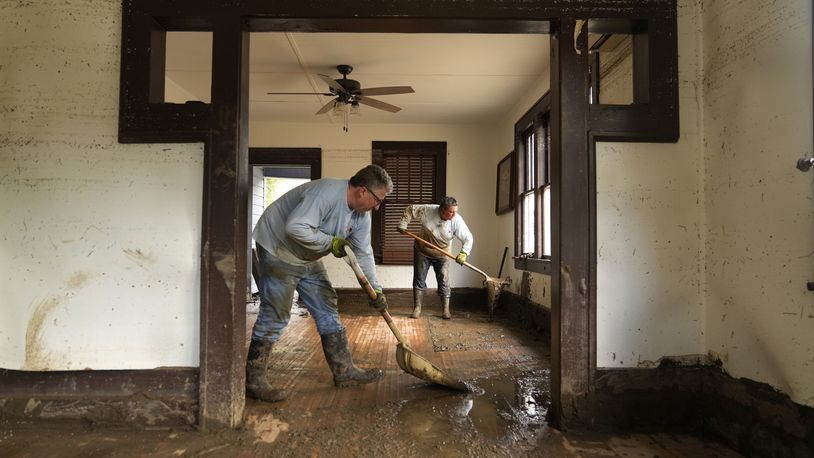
x=436 y=230
x=299 y=226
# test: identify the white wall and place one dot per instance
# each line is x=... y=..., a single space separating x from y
x=470 y=178
x=100 y=242
x=760 y=217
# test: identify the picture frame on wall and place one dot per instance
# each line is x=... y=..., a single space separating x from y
x=504 y=198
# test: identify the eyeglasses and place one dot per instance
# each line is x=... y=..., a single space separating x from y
x=378 y=200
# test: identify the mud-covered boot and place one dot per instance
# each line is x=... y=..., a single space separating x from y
x=338 y=356
x=257 y=378
x=445 y=304
x=418 y=298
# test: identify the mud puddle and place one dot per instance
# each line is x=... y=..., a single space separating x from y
x=504 y=410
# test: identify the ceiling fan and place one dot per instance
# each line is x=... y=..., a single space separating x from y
x=349 y=93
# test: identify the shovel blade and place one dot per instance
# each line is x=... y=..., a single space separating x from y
x=416 y=365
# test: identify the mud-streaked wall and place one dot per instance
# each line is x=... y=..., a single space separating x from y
x=705 y=246
x=759 y=209
x=469 y=179
x=650 y=227
x=99 y=242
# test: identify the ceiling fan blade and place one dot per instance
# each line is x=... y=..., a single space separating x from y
x=299 y=93
x=387 y=90
x=327 y=107
x=331 y=82
x=378 y=104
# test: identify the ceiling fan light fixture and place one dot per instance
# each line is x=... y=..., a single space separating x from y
x=339 y=108
x=349 y=94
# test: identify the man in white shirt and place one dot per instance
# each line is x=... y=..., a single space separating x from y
x=439 y=224
x=299 y=228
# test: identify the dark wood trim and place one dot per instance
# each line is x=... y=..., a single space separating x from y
x=753 y=418
x=512 y=178
x=169 y=383
x=221 y=126
x=654 y=114
x=399 y=25
x=536 y=265
x=225 y=257
x=571 y=342
x=133 y=398
x=140 y=119
x=158 y=64
x=307 y=156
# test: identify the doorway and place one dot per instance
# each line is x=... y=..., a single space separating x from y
x=275 y=171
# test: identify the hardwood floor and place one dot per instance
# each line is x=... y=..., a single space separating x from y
x=400 y=415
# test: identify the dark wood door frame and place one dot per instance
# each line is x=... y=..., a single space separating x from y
x=294 y=156
x=221 y=125
x=258 y=156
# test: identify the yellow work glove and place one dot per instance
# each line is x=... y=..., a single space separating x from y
x=338 y=245
x=380 y=303
x=461 y=258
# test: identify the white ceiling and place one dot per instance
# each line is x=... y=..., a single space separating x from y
x=458 y=78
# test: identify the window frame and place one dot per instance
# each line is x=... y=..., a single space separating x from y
x=382 y=149
x=536 y=121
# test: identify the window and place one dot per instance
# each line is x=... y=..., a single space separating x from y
x=528 y=198
x=418 y=171
x=533 y=213
x=618 y=61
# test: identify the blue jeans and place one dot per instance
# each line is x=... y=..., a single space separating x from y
x=278 y=280
x=421 y=265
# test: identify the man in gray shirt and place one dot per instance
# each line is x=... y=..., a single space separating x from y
x=439 y=223
x=299 y=228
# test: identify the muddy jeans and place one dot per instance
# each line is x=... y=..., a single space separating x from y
x=421 y=265
x=278 y=281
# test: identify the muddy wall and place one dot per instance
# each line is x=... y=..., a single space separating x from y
x=759 y=236
x=99 y=241
x=705 y=246
x=650 y=225
x=468 y=148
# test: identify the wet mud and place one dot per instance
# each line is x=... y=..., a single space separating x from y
x=504 y=414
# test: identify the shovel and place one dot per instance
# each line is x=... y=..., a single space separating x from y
x=493 y=285
x=407 y=359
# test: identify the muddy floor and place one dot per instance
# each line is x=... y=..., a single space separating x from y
x=503 y=415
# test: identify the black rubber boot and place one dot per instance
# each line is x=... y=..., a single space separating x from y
x=257 y=378
x=445 y=304
x=338 y=356
x=418 y=298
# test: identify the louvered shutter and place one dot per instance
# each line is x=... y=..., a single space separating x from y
x=417 y=170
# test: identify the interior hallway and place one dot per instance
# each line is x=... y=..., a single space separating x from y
x=399 y=416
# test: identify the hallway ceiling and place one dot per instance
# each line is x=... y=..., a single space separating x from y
x=458 y=78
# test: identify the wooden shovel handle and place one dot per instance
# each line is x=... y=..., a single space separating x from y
x=432 y=245
x=350 y=258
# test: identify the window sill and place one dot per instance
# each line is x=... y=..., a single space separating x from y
x=540 y=266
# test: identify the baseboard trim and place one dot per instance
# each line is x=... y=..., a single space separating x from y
x=166 y=397
x=753 y=418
